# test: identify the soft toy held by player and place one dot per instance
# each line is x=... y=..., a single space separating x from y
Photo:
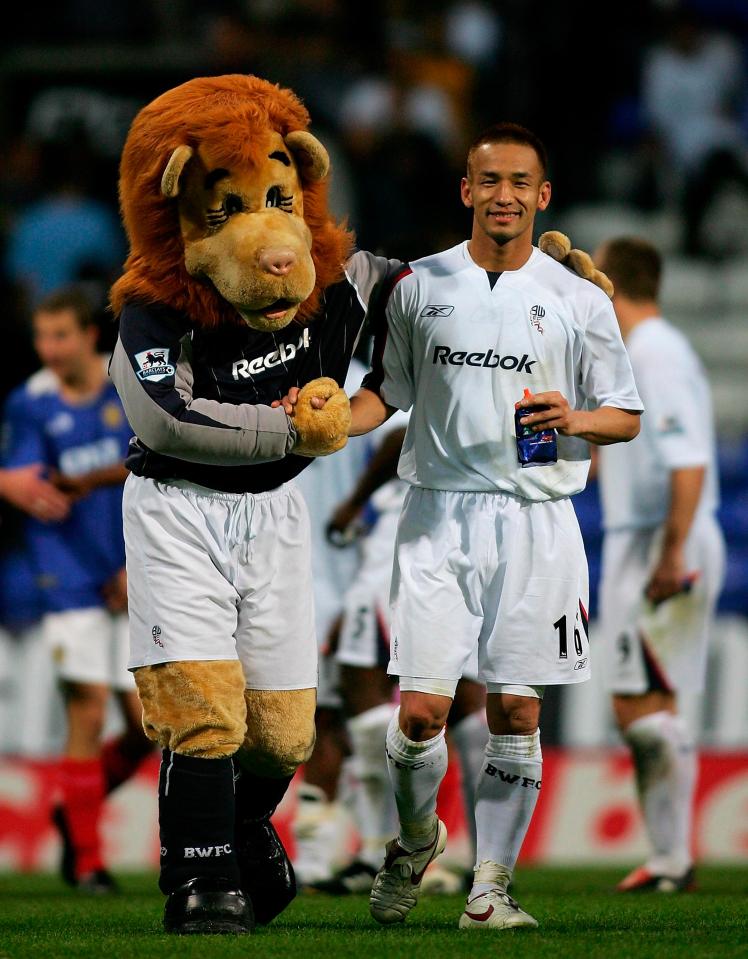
x=557 y=245
x=237 y=288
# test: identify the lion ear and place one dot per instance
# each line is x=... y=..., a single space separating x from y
x=175 y=166
x=311 y=157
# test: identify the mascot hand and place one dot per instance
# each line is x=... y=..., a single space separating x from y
x=321 y=431
x=557 y=245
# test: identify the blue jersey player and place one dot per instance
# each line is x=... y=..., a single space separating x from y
x=65 y=439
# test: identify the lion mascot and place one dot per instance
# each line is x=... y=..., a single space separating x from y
x=233 y=292
x=238 y=287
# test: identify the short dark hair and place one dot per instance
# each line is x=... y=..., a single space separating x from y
x=634 y=265
x=69 y=298
x=507 y=132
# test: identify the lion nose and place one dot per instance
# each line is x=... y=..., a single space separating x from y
x=278 y=262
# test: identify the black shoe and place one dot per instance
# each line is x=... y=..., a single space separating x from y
x=98 y=882
x=67 y=863
x=208 y=907
x=643 y=880
x=266 y=872
x=357 y=877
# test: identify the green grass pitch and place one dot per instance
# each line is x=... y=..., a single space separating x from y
x=579 y=916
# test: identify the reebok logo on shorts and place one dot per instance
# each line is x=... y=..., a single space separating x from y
x=154 y=364
x=489 y=359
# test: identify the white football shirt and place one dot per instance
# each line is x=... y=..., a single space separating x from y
x=461 y=354
x=676 y=431
x=325 y=483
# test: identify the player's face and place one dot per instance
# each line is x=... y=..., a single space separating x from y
x=505 y=187
x=62 y=345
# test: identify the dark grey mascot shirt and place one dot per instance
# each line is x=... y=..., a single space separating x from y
x=199 y=401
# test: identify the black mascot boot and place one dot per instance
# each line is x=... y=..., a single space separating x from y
x=208 y=907
x=267 y=876
x=199 y=870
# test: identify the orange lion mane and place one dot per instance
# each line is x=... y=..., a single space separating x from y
x=222 y=112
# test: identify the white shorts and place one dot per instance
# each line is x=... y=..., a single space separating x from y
x=365 y=632
x=215 y=575
x=327 y=608
x=492 y=572
x=664 y=647
x=89 y=646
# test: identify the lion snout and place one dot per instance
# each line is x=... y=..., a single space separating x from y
x=278 y=261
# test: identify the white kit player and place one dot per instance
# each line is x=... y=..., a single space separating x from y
x=367 y=690
x=488 y=553
x=317 y=823
x=663 y=562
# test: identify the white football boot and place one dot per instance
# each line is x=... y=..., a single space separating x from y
x=494 y=908
x=398 y=883
x=439 y=881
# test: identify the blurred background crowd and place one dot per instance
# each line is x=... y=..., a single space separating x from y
x=644 y=111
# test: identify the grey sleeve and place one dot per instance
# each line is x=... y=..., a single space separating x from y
x=166 y=418
x=365 y=272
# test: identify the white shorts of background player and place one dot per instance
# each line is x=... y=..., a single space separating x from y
x=90 y=646
x=367 y=617
x=675 y=633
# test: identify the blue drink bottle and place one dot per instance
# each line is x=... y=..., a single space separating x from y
x=533 y=449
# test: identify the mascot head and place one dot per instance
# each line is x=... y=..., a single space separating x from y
x=223 y=196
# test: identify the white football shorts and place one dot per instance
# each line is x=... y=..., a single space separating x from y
x=215 y=575
x=494 y=573
x=365 y=631
x=90 y=646
x=664 y=647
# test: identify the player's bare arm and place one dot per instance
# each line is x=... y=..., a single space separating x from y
x=79 y=486
x=671 y=571
x=602 y=426
x=26 y=489
x=381 y=469
x=115 y=592
x=368 y=410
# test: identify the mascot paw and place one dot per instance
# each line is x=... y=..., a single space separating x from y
x=324 y=431
x=557 y=245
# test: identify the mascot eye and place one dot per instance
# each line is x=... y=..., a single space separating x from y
x=276 y=198
x=232 y=204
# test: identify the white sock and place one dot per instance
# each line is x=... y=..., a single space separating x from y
x=666 y=764
x=508 y=790
x=374 y=809
x=315 y=826
x=470 y=736
x=416 y=771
